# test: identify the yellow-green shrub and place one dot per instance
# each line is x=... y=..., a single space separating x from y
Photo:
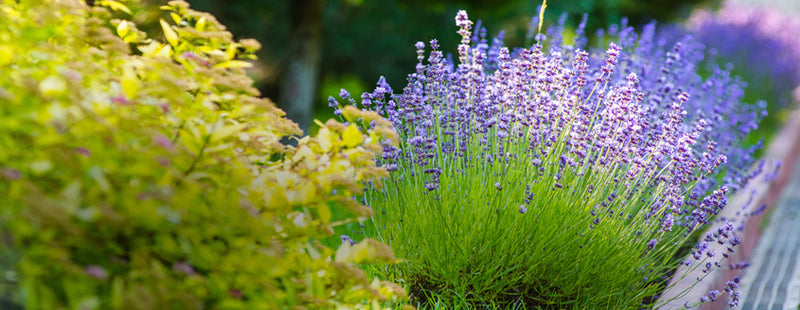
x=142 y=174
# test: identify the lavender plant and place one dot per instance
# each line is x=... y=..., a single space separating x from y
x=556 y=177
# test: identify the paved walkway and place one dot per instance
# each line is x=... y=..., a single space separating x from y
x=772 y=282
x=786 y=6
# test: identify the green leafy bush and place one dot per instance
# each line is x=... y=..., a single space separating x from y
x=139 y=174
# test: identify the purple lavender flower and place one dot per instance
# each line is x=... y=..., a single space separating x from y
x=346 y=238
x=712 y=295
x=651 y=244
x=420 y=46
x=344 y=94
x=462 y=20
x=638 y=119
x=629 y=129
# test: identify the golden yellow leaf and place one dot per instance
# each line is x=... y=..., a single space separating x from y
x=303 y=152
x=352 y=136
x=129 y=84
x=343 y=252
x=324 y=213
x=231 y=51
x=164 y=51
x=123 y=28
x=175 y=17
x=234 y=64
x=226 y=131
x=114 y=5
x=359 y=253
x=156 y=49
x=305 y=194
x=201 y=24
x=171 y=35
x=324 y=139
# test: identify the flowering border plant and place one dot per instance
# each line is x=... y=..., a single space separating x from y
x=558 y=177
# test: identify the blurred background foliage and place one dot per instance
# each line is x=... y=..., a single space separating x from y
x=361 y=40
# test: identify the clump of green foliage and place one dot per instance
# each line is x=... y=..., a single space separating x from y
x=145 y=174
x=558 y=178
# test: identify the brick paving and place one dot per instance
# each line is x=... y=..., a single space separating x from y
x=773 y=281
